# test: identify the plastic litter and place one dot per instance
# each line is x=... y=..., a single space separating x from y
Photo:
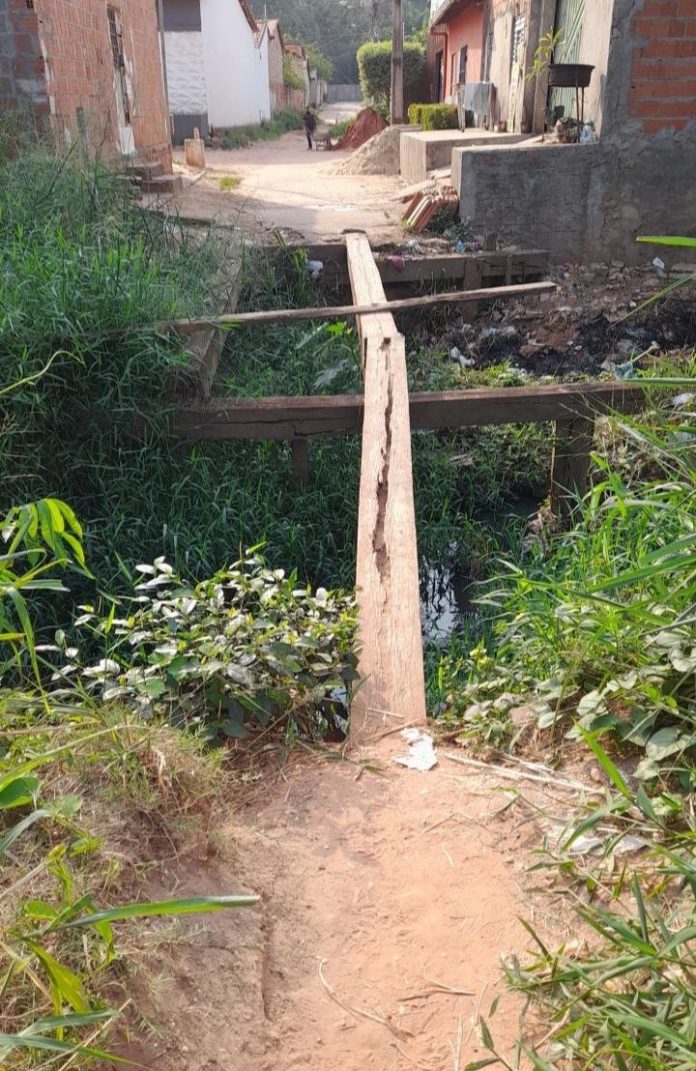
x=315 y=267
x=421 y=753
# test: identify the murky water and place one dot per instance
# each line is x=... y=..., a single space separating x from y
x=445 y=603
x=448 y=592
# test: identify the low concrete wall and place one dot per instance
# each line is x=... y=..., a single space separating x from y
x=337 y=94
x=426 y=150
x=581 y=202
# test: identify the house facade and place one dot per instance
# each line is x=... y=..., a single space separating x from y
x=217 y=65
x=282 y=95
x=634 y=173
x=90 y=72
x=455 y=53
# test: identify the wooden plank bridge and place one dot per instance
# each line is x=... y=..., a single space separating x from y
x=391 y=655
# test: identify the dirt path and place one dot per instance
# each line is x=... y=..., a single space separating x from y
x=375 y=890
x=282 y=186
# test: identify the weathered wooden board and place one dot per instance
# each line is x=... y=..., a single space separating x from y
x=519 y=264
x=391 y=648
x=342 y=414
x=339 y=312
x=205 y=345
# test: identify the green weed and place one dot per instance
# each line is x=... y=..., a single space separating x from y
x=269 y=130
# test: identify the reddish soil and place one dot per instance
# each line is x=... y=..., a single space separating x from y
x=388 y=897
x=366 y=124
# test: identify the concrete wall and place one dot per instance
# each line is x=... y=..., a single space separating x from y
x=236 y=68
x=61 y=65
x=421 y=151
x=589 y=202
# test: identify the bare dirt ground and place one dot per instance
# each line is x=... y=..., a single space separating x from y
x=284 y=187
x=387 y=899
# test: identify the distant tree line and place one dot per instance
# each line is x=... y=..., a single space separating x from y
x=337 y=28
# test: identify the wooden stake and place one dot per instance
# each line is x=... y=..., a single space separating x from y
x=571 y=462
x=300 y=461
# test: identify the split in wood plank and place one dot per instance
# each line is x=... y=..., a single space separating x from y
x=389 y=630
x=300 y=416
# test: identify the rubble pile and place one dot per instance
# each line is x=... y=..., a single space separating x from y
x=366 y=125
x=378 y=156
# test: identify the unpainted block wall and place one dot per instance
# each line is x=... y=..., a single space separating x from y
x=62 y=66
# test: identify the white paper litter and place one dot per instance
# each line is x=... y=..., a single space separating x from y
x=421 y=753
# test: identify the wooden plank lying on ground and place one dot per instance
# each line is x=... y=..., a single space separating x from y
x=342 y=414
x=389 y=629
x=340 y=312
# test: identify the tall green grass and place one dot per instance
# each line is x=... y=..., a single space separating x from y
x=78 y=257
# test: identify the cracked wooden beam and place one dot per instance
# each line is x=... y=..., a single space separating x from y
x=389 y=629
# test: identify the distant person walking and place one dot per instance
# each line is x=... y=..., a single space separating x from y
x=309 y=122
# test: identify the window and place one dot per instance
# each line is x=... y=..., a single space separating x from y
x=518 y=35
x=116 y=40
x=462 y=64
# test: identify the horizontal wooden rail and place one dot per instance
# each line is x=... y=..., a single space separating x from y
x=509 y=265
x=339 y=312
x=342 y=414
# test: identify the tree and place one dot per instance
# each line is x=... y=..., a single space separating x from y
x=337 y=28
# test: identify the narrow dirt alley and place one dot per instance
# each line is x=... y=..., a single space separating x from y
x=388 y=898
x=282 y=186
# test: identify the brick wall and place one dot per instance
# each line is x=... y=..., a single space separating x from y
x=663 y=74
x=66 y=45
x=21 y=63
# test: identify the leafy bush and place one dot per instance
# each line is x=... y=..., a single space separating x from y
x=291 y=75
x=374 y=64
x=341 y=127
x=319 y=62
x=434 y=116
x=246 y=647
x=59 y=947
x=599 y=624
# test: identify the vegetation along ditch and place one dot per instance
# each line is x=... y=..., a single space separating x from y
x=148 y=584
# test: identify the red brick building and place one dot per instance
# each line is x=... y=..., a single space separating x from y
x=89 y=70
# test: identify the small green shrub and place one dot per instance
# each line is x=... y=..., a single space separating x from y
x=434 y=116
x=248 y=646
x=291 y=75
x=374 y=65
x=341 y=127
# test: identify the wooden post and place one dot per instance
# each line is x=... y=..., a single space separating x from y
x=300 y=462
x=570 y=465
x=397 y=64
x=389 y=629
